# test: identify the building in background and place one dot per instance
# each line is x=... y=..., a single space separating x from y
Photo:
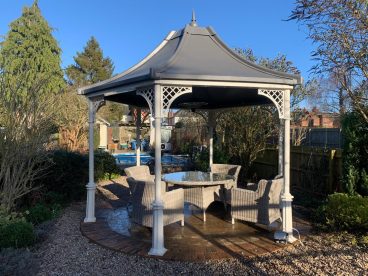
x=315 y=128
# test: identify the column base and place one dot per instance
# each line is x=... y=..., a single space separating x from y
x=90 y=219
x=157 y=251
x=283 y=237
x=90 y=204
x=291 y=239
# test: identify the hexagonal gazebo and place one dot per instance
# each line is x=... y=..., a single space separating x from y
x=193 y=68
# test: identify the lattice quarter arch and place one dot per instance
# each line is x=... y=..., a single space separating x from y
x=148 y=93
x=170 y=93
x=97 y=103
x=277 y=97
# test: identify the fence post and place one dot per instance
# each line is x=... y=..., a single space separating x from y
x=331 y=171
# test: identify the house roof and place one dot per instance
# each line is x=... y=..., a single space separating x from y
x=194 y=53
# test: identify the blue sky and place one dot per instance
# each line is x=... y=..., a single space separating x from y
x=128 y=30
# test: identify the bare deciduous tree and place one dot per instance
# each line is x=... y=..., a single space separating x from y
x=246 y=131
x=340 y=30
x=329 y=96
x=25 y=132
x=72 y=119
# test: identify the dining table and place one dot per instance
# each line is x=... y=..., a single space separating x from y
x=200 y=188
x=197 y=178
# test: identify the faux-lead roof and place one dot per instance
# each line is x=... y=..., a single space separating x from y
x=194 y=53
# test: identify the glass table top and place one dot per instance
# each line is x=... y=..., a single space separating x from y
x=197 y=178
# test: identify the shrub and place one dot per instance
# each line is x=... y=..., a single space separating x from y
x=355 y=162
x=15 y=231
x=345 y=212
x=201 y=159
x=105 y=165
x=18 y=262
x=52 y=197
x=41 y=212
x=67 y=176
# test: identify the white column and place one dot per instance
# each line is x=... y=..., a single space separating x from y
x=281 y=148
x=286 y=197
x=211 y=125
x=91 y=186
x=158 y=248
x=138 y=137
x=152 y=131
x=103 y=136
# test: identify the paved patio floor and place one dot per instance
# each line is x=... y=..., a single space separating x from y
x=214 y=239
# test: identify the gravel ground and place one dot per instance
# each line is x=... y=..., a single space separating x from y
x=67 y=252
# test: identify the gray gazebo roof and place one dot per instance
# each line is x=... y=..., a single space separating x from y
x=195 y=54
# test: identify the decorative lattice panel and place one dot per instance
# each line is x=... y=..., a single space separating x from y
x=170 y=93
x=97 y=103
x=149 y=95
x=277 y=97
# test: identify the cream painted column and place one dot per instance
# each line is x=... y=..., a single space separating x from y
x=103 y=136
x=138 y=137
x=281 y=148
x=286 y=197
x=211 y=126
x=158 y=248
x=152 y=131
x=93 y=105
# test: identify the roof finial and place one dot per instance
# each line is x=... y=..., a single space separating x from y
x=194 y=21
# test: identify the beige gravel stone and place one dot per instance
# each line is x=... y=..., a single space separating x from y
x=67 y=252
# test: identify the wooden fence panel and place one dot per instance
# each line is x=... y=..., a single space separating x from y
x=316 y=170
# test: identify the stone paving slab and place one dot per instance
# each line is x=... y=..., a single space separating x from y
x=214 y=239
x=196 y=241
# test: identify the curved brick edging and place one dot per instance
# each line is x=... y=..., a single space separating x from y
x=101 y=234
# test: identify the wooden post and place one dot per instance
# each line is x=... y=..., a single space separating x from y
x=331 y=171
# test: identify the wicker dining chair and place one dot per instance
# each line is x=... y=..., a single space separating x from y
x=202 y=197
x=138 y=173
x=143 y=197
x=261 y=205
x=228 y=169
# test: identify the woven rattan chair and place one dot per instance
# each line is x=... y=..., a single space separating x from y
x=261 y=205
x=138 y=173
x=202 y=197
x=229 y=170
x=143 y=197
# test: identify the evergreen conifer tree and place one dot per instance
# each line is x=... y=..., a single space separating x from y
x=30 y=56
x=90 y=65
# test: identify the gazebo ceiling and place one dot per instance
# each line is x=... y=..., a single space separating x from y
x=202 y=98
x=194 y=55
